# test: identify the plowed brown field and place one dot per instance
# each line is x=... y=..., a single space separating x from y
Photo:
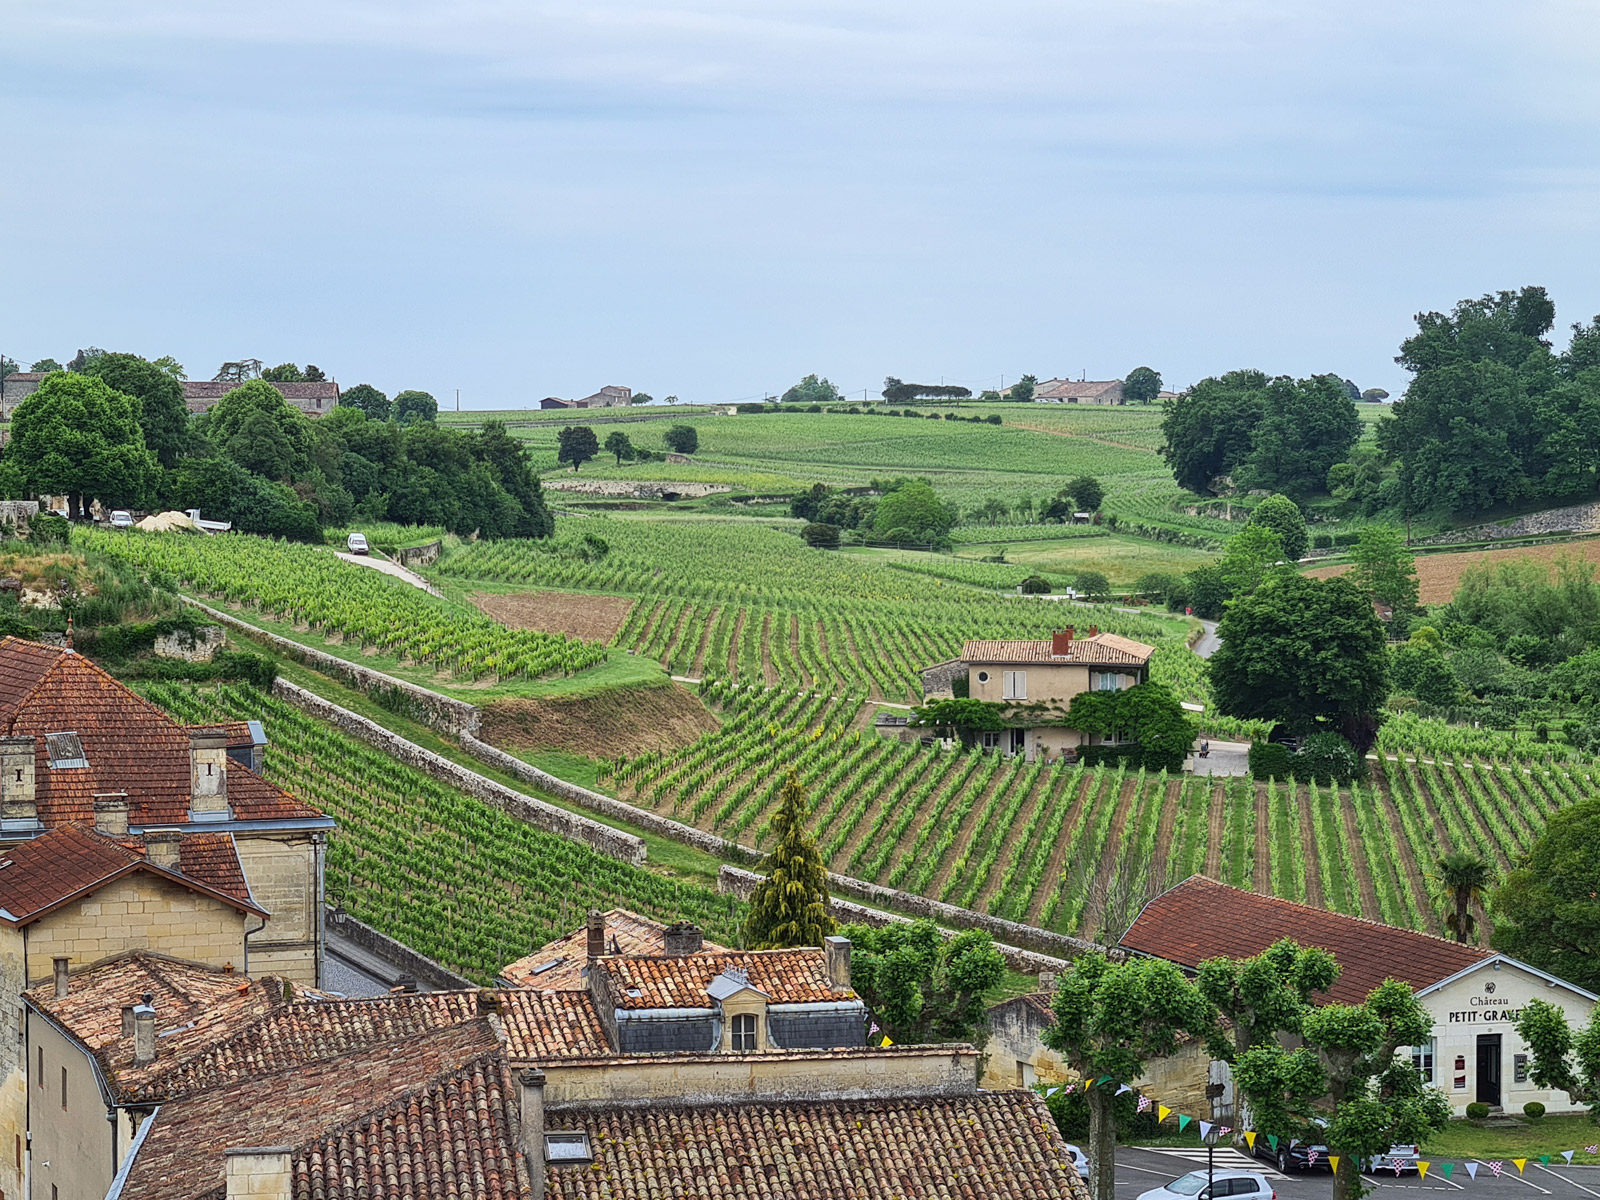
x=1439 y=574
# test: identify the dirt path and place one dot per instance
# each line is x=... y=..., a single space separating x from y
x=1370 y=906
x=390 y=568
x=769 y=673
x=1431 y=812
x=1315 y=896
x=733 y=646
x=1214 y=833
x=793 y=625
x=1262 y=882
x=1099 y=890
x=1058 y=856
x=1019 y=827
x=697 y=668
x=1169 y=818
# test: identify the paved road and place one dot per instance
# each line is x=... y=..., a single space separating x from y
x=1139 y=1170
x=389 y=568
x=1208 y=643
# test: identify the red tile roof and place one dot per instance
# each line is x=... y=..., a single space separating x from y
x=131 y=745
x=983 y=1146
x=38 y=876
x=1201 y=918
x=626 y=933
x=786 y=976
x=1104 y=649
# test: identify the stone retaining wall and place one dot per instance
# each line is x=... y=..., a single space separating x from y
x=381 y=945
x=608 y=841
x=419 y=556
x=1575 y=518
x=408 y=699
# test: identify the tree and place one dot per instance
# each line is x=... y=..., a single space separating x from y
x=1558 y=1058
x=1252 y=554
x=1374 y=396
x=368 y=399
x=1263 y=997
x=1465 y=878
x=1088 y=492
x=260 y=445
x=921 y=988
x=1306 y=426
x=314 y=374
x=1208 y=431
x=964 y=717
x=234 y=415
x=1384 y=568
x=1111 y=1020
x=915 y=510
x=171 y=366
x=44 y=366
x=821 y=537
x=1305 y=652
x=225 y=491
x=1151 y=716
x=415 y=406
x=162 y=413
x=811 y=390
x=1157 y=585
x=1092 y=584
x=284 y=373
x=683 y=439
x=642 y=398
x=790 y=906
x=617 y=443
x=78 y=436
x=1022 y=390
x=8 y=366
x=672 y=399
x=576 y=444
x=1142 y=386
x=1547 y=912
x=1283 y=516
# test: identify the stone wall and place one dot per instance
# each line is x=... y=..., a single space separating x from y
x=419 y=556
x=608 y=841
x=419 y=966
x=1575 y=518
x=200 y=646
x=138 y=912
x=17 y=514
x=284 y=871
x=397 y=695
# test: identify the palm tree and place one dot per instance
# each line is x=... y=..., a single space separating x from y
x=1466 y=878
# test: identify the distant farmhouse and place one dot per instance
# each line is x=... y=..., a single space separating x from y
x=610 y=396
x=17 y=387
x=1085 y=391
x=313 y=399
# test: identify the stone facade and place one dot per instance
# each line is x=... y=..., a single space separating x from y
x=201 y=646
x=259 y=1173
x=285 y=874
x=420 y=556
x=68 y=1147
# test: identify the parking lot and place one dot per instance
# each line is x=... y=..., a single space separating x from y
x=1139 y=1170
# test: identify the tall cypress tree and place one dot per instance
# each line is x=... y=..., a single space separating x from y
x=790 y=906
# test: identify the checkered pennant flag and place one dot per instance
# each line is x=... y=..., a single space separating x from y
x=874 y=1028
x=1497 y=1166
x=1592 y=1149
x=1312 y=1156
x=1224 y=1130
x=1144 y=1103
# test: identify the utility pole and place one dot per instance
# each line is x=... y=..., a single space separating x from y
x=458 y=399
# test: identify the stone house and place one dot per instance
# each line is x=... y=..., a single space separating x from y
x=313 y=399
x=1079 y=391
x=610 y=396
x=1036 y=681
x=562 y=963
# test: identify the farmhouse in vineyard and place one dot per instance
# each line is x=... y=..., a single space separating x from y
x=1473 y=994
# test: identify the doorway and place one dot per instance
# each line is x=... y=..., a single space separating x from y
x=1019 y=740
x=1489 y=1069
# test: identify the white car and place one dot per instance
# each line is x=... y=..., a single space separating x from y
x=121 y=518
x=1250 y=1184
x=357 y=542
x=1080 y=1160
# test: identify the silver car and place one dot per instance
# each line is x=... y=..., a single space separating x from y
x=1251 y=1185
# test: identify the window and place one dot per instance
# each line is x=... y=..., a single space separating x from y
x=1238 y=1186
x=1422 y=1060
x=744 y=1033
x=41 y=1066
x=63 y=1087
x=1109 y=682
x=1014 y=685
x=991 y=739
x=563 y=1148
x=983 y=677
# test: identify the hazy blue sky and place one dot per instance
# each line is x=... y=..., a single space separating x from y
x=713 y=197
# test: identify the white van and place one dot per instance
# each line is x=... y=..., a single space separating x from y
x=121 y=518
x=357 y=543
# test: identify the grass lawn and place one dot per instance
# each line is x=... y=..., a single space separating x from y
x=1549 y=1135
x=1122 y=560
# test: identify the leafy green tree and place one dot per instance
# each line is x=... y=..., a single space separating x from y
x=1306 y=426
x=224 y=491
x=915 y=509
x=682 y=438
x=1092 y=584
x=284 y=373
x=1260 y=999
x=509 y=458
x=1111 y=1020
x=642 y=398
x=1251 y=556
x=617 y=443
x=790 y=906
x=8 y=366
x=44 y=366
x=1421 y=671
x=260 y=445
x=79 y=437
x=1560 y=1059
x=811 y=390
x=1466 y=880
x=289 y=449
x=1149 y=713
x=576 y=444
x=1088 y=492
x=1156 y=584
x=171 y=366
x=1349 y=1072
x=162 y=413
x=1547 y=912
x=921 y=988
x=1205 y=590
x=1142 y=386
x=415 y=406
x=368 y=399
x=1305 y=652
x=1374 y=396
x=1022 y=390
x=314 y=373
x=964 y=717
x=1384 y=568
x=821 y=537
x=1209 y=430
x=1283 y=516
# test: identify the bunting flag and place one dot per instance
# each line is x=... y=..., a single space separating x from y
x=1472 y=1169
x=1162 y=1111
x=1497 y=1166
x=1104 y=1079
x=1072 y=1087
x=874 y=1028
x=1048 y=1092
x=1592 y=1149
x=1272 y=1140
x=1144 y=1103
x=1567 y=1154
x=1312 y=1156
x=1422 y=1169
x=1448 y=1170
x=1333 y=1161
x=1205 y=1130
x=1250 y=1138
x=1544 y=1160
x=1224 y=1130
x=886 y=1042
x=1521 y=1162
x=1293 y=1142
x=1124 y=1088
x=1183 y=1122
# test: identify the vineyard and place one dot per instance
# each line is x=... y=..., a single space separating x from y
x=312 y=590
x=1078 y=850
x=459 y=881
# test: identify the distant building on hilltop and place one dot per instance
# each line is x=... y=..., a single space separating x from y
x=313 y=399
x=610 y=396
x=17 y=387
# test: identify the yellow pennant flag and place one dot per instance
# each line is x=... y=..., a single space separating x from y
x=1521 y=1162
x=886 y=1041
x=1422 y=1169
x=1161 y=1113
x=1333 y=1161
x=1250 y=1138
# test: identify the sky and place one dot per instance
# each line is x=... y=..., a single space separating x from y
x=713 y=198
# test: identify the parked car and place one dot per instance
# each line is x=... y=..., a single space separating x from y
x=1080 y=1160
x=1193 y=1186
x=357 y=542
x=121 y=518
x=1400 y=1159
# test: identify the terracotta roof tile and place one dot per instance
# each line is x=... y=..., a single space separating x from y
x=1104 y=649
x=626 y=933
x=1201 y=918
x=988 y=1145
x=663 y=981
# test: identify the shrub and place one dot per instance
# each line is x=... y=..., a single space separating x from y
x=1326 y=758
x=1477 y=1110
x=1346 y=539
x=1533 y=1110
x=49 y=529
x=822 y=537
x=1035 y=585
x=993 y=418
x=1268 y=760
x=1322 y=541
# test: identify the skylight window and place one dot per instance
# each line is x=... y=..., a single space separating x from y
x=66 y=750
x=566 y=1149
x=547 y=966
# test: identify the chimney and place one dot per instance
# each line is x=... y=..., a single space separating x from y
x=597 y=933
x=1061 y=643
x=208 y=775
x=530 y=1137
x=17 y=800
x=144 y=1031
x=258 y=1172
x=111 y=814
x=161 y=848
x=1094 y=631
x=682 y=937
x=837 y=952
x=60 y=965
x=127 y=1020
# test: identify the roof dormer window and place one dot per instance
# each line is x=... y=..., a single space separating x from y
x=66 y=750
